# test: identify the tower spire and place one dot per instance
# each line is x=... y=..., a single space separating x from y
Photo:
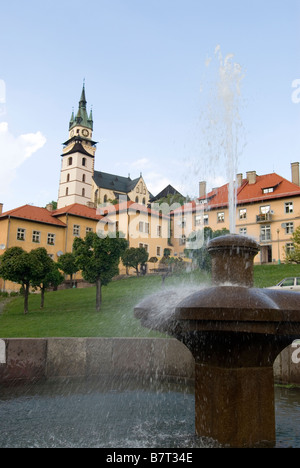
x=82 y=117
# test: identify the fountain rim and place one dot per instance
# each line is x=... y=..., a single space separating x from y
x=233 y=242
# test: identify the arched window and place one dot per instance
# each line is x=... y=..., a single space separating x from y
x=96 y=197
x=68 y=177
x=70 y=161
x=83 y=161
x=67 y=191
x=83 y=177
x=144 y=201
x=136 y=199
x=83 y=192
x=105 y=198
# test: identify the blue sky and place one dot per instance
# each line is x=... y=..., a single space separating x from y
x=144 y=65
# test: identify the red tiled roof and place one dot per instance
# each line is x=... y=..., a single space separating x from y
x=33 y=213
x=76 y=209
x=247 y=193
x=127 y=206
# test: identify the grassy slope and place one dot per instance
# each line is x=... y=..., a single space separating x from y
x=72 y=312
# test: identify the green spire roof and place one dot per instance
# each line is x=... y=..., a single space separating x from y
x=82 y=116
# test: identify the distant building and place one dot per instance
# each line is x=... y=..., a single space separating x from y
x=169 y=190
x=268 y=209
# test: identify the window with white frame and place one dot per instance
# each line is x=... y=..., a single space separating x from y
x=158 y=251
x=147 y=228
x=221 y=217
x=289 y=228
x=268 y=190
x=158 y=231
x=36 y=237
x=145 y=246
x=50 y=238
x=182 y=240
x=141 y=226
x=76 y=230
x=289 y=207
x=205 y=220
x=243 y=213
x=243 y=231
x=88 y=229
x=265 y=209
x=198 y=220
x=21 y=234
x=289 y=248
x=265 y=232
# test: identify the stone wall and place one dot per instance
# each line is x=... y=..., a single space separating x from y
x=34 y=359
x=23 y=359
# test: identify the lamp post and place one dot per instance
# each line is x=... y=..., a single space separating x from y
x=278 y=247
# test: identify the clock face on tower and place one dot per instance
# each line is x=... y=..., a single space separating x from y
x=85 y=132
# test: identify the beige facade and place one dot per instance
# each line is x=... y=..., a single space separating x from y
x=268 y=210
x=31 y=227
x=116 y=188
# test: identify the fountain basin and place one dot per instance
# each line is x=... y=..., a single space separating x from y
x=235 y=333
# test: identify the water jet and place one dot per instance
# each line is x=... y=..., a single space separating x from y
x=235 y=332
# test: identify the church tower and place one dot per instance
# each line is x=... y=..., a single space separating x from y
x=77 y=166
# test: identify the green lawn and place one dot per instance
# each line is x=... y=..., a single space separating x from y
x=72 y=312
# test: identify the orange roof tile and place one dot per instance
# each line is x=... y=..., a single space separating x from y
x=33 y=213
x=76 y=209
x=246 y=193
x=127 y=206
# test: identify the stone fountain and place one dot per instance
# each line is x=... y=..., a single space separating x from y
x=235 y=333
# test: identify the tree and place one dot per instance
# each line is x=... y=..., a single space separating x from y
x=201 y=256
x=25 y=268
x=171 y=198
x=293 y=256
x=68 y=264
x=48 y=273
x=54 y=204
x=98 y=258
x=133 y=257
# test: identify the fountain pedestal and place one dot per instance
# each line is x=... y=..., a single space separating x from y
x=235 y=333
x=235 y=406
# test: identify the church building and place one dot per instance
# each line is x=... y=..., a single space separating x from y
x=79 y=181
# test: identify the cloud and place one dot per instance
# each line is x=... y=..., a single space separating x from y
x=142 y=163
x=14 y=151
x=156 y=182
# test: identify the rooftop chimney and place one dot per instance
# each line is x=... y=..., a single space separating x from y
x=1 y=208
x=239 y=179
x=295 y=173
x=251 y=177
x=49 y=207
x=202 y=189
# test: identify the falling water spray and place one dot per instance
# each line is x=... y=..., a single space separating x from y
x=222 y=128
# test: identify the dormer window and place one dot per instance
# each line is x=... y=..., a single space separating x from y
x=268 y=190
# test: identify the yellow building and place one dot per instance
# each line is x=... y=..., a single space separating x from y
x=30 y=227
x=268 y=210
